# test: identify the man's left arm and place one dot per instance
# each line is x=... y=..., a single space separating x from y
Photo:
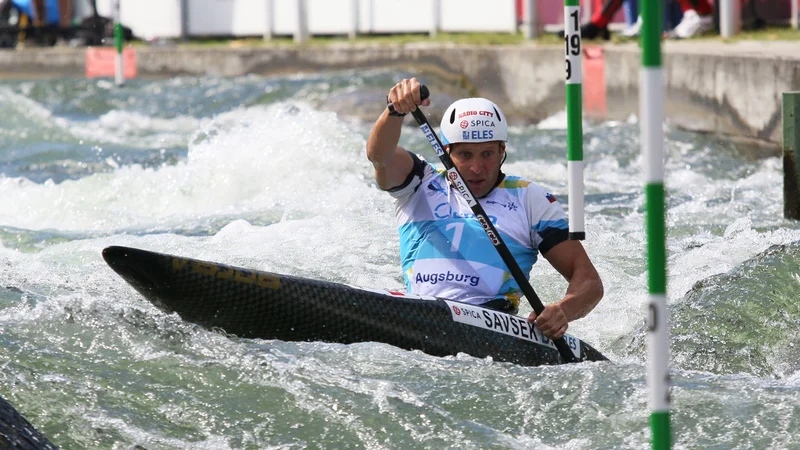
x=583 y=293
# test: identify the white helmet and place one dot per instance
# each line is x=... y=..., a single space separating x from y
x=473 y=120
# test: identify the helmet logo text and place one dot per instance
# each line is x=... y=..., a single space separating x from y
x=476 y=113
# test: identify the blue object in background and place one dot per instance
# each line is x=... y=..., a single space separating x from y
x=50 y=6
x=631 y=9
x=672 y=13
x=25 y=6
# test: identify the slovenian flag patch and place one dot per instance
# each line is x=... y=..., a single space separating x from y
x=550 y=197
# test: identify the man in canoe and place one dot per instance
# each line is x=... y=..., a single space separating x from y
x=444 y=250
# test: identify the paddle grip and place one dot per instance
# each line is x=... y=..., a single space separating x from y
x=424 y=93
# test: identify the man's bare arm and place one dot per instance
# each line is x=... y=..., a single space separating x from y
x=393 y=163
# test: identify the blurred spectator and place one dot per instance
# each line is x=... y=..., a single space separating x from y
x=46 y=12
x=696 y=17
x=598 y=25
x=672 y=16
x=65 y=13
x=35 y=22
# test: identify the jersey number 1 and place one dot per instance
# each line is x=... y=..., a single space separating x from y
x=456 y=241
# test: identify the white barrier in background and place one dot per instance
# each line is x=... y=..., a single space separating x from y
x=730 y=17
x=163 y=18
x=531 y=25
x=212 y=17
x=150 y=18
x=301 y=27
x=81 y=8
x=478 y=15
x=324 y=17
x=436 y=17
x=396 y=16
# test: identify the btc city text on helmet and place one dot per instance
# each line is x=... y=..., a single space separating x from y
x=473 y=120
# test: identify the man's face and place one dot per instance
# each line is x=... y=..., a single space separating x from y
x=479 y=164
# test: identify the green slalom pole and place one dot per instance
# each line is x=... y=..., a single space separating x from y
x=119 y=76
x=574 y=82
x=651 y=111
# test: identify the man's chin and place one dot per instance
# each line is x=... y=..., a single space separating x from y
x=477 y=189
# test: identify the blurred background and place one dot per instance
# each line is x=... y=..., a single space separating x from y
x=152 y=20
x=237 y=135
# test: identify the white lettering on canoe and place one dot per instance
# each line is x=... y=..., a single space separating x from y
x=509 y=324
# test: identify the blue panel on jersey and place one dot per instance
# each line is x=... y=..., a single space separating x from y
x=462 y=239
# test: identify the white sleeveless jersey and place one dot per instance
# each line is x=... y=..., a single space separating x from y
x=444 y=250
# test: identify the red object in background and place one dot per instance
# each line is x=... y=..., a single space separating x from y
x=551 y=12
x=594 y=81
x=100 y=62
x=597 y=5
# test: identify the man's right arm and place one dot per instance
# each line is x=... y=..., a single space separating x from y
x=392 y=163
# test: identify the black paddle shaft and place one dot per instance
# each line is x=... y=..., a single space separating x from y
x=455 y=179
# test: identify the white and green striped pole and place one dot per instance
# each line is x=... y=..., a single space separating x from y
x=119 y=75
x=651 y=111
x=574 y=80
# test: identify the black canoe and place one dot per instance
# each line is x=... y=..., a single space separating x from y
x=16 y=433
x=254 y=304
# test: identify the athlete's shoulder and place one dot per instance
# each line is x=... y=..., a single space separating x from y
x=425 y=175
x=521 y=186
x=430 y=170
x=514 y=182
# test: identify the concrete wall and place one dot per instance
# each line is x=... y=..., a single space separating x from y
x=733 y=90
x=728 y=89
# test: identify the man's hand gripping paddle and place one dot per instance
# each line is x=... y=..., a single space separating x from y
x=455 y=179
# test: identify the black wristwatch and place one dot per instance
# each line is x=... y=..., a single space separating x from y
x=392 y=112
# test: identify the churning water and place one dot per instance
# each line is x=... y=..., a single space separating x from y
x=270 y=173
